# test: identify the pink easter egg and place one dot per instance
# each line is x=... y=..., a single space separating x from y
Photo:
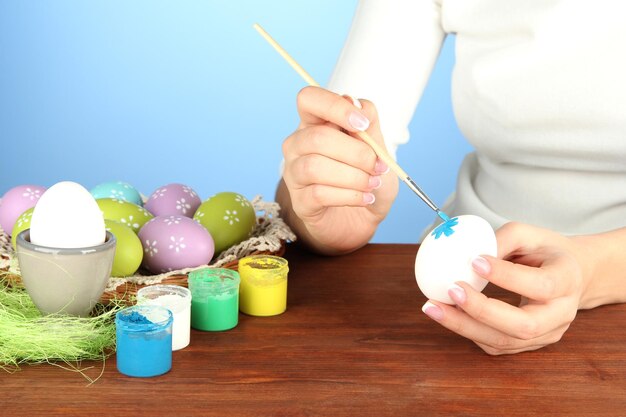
x=175 y=242
x=173 y=199
x=15 y=202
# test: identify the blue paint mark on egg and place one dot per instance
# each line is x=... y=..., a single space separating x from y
x=446 y=228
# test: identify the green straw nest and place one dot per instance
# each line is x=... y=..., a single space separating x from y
x=27 y=337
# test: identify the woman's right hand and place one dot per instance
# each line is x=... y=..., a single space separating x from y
x=335 y=191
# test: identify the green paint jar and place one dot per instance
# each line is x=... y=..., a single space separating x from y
x=214 y=298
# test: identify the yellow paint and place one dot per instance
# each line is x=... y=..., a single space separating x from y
x=263 y=288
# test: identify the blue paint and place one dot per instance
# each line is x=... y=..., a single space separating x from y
x=144 y=340
x=443 y=216
x=446 y=228
x=136 y=318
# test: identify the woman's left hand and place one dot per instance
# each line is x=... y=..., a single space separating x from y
x=548 y=271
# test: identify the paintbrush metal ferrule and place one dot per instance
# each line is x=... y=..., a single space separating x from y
x=421 y=194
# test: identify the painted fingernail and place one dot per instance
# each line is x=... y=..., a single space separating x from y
x=481 y=265
x=375 y=182
x=457 y=294
x=381 y=167
x=369 y=198
x=354 y=101
x=433 y=311
x=358 y=121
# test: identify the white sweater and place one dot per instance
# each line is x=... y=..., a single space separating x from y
x=538 y=88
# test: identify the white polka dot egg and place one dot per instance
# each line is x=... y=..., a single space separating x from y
x=173 y=199
x=229 y=217
x=446 y=255
x=175 y=242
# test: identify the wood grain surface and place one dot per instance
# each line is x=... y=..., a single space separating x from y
x=353 y=342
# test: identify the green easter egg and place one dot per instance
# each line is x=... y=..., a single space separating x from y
x=22 y=223
x=229 y=218
x=125 y=212
x=128 y=249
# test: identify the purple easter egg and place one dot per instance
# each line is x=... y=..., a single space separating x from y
x=15 y=202
x=173 y=199
x=175 y=242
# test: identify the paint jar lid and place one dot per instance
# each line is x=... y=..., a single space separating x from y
x=264 y=269
x=213 y=280
x=144 y=318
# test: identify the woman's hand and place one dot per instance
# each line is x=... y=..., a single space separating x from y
x=550 y=272
x=335 y=191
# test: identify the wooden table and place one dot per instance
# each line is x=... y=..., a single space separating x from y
x=353 y=342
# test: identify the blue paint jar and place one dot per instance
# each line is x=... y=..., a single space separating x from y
x=144 y=340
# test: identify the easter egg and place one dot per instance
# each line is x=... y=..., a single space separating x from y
x=229 y=217
x=173 y=199
x=128 y=249
x=119 y=190
x=67 y=216
x=446 y=255
x=22 y=223
x=175 y=242
x=125 y=212
x=15 y=202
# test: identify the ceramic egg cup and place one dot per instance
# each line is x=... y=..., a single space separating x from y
x=66 y=281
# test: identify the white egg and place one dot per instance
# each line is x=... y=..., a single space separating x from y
x=67 y=216
x=445 y=256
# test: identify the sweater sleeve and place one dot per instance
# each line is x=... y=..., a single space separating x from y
x=388 y=57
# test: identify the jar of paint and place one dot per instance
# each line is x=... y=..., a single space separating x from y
x=214 y=298
x=144 y=340
x=263 y=290
x=176 y=299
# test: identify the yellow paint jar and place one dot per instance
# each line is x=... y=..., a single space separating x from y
x=263 y=287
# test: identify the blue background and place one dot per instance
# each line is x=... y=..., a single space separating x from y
x=153 y=92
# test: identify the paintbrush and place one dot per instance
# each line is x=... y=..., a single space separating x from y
x=380 y=151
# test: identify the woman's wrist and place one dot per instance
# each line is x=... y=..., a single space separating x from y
x=603 y=261
x=332 y=244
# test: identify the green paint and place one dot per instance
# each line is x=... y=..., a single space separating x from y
x=214 y=298
x=215 y=312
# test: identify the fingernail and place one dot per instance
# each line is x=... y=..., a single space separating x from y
x=381 y=167
x=481 y=266
x=354 y=101
x=369 y=198
x=375 y=182
x=358 y=121
x=433 y=311
x=457 y=294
